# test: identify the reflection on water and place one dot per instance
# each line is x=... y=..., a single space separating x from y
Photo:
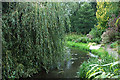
x=70 y=68
x=68 y=64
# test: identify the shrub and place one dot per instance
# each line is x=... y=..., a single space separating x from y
x=85 y=67
x=112 y=33
x=73 y=37
x=109 y=35
x=114 y=45
x=87 y=40
x=98 y=71
x=97 y=40
x=83 y=40
x=96 y=33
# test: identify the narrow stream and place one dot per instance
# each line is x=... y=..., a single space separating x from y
x=70 y=68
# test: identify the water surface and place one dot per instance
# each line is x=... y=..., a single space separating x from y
x=70 y=67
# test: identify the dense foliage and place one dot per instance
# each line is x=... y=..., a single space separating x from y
x=108 y=17
x=109 y=35
x=33 y=37
x=114 y=45
x=96 y=33
x=82 y=38
x=99 y=68
x=105 y=11
x=83 y=19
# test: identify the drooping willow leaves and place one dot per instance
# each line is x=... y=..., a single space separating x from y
x=33 y=37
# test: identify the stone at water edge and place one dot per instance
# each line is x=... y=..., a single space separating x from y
x=95 y=47
x=92 y=55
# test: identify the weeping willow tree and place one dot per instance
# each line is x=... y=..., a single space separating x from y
x=33 y=37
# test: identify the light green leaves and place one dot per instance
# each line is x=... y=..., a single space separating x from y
x=97 y=71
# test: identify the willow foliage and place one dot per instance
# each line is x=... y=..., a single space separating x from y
x=33 y=37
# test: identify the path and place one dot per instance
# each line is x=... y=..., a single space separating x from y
x=108 y=49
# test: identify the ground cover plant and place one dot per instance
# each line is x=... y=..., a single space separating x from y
x=81 y=38
x=99 y=68
x=114 y=44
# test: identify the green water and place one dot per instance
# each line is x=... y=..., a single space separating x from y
x=70 y=67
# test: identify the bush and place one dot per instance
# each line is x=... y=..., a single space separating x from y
x=96 y=33
x=87 y=40
x=109 y=35
x=83 y=40
x=97 y=40
x=114 y=45
x=85 y=67
x=99 y=71
x=73 y=37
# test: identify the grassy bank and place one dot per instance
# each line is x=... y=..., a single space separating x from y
x=84 y=46
x=103 y=67
x=81 y=46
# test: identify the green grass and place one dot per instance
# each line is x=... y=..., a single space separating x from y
x=84 y=46
x=100 y=52
x=81 y=46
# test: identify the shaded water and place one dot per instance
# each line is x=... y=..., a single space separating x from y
x=70 y=68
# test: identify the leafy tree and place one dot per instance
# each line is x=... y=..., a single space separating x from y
x=94 y=4
x=105 y=11
x=84 y=19
x=71 y=8
x=32 y=38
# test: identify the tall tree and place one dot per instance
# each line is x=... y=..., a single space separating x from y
x=84 y=19
x=105 y=11
x=32 y=38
